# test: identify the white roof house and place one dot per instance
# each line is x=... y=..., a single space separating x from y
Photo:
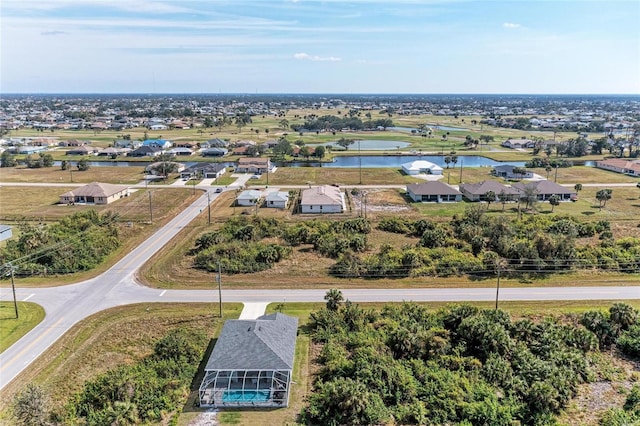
x=421 y=166
x=277 y=200
x=250 y=197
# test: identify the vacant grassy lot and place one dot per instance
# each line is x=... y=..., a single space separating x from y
x=327 y=176
x=109 y=339
x=12 y=328
x=115 y=175
x=36 y=204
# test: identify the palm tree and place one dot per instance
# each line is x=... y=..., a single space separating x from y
x=554 y=200
x=334 y=298
x=577 y=187
x=489 y=197
x=602 y=196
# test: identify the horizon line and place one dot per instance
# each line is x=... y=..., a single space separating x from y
x=320 y=93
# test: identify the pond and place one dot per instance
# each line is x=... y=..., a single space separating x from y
x=371 y=145
x=396 y=161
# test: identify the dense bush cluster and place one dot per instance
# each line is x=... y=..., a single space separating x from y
x=459 y=365
x=146 y=392
x=238 y=245
x=474 y=242
x=540 y=162
x=620 y=326
x=76 y=243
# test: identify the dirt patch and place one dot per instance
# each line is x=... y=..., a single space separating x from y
x=208 y=418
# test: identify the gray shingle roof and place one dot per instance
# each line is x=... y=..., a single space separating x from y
x=544 y=187
x=266 y=343
x=432 y=188
x=481 y=188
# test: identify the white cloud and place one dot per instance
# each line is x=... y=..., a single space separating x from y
x=511 y=25
x=316 y=58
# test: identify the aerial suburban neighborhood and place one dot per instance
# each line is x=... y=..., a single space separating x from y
x=274 y=195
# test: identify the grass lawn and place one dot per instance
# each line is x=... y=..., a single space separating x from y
x=109 y=339
x=107 y=174
x=12 y=328
x=327 y=176
x=37 y=204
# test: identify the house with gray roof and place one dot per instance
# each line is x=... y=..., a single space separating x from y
x=477 y=191
x=251 y=364
x=507 y=171
x=204 y=171
x=545 y=189
x=434 y=191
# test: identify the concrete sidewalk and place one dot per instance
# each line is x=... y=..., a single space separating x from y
x=253 y=310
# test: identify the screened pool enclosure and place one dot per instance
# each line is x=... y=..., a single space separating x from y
x=251 y=364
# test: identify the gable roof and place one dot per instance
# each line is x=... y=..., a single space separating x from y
x=421 y=165
x=205 y=167
x=95 y=189
x=544 y=187
x=483 y=187
x=250 y=194
x=277 y=196
x=321 y=195
x=266 y=343
x=432 y=188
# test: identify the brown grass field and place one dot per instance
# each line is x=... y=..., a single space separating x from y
x=115 y=175
x=38 y=204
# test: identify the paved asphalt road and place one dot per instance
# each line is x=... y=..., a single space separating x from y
x=67 y=305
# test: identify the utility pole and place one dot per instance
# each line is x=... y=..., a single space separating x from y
x=13 y=288
x=498 y=286
x=360 y=162
x=150 y=208
x=461 y=170
x=209 y=206
x=219 y=279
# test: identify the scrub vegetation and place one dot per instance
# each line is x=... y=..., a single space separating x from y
x=406 y=364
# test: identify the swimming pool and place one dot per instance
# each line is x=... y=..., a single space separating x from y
x=245 y=396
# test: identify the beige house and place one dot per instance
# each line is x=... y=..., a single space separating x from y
x=620 y=165
x=322 y=199
x=95 y=193
x=254 y=165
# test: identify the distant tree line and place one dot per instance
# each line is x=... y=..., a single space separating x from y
x=335 y=123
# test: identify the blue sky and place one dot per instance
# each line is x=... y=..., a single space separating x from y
x=307 y=46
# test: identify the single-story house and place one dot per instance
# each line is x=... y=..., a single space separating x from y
x=180 y=151
x=545 y=189
x=190 y=145
x=73 y=142
x=30 y=149
x=251 y=364
x=155 y=169
x=506 y=171
x=245 y=142
x=157 y=143
x=253 y=165
x=434 y=191
x=421 y=166
x=95 y=193
x=158 y=127
x=145 y=151
x=241 y=150
x=322 y=199
x=518 y=143
x=204 y=171
x=277 y=200
x=250 y=197
x=6 y=232
x=620 y=165
x=84 y=150
x=112 y=152
x=476 y=191
x=214 y=152
x=126 y=143
x=214 y=143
